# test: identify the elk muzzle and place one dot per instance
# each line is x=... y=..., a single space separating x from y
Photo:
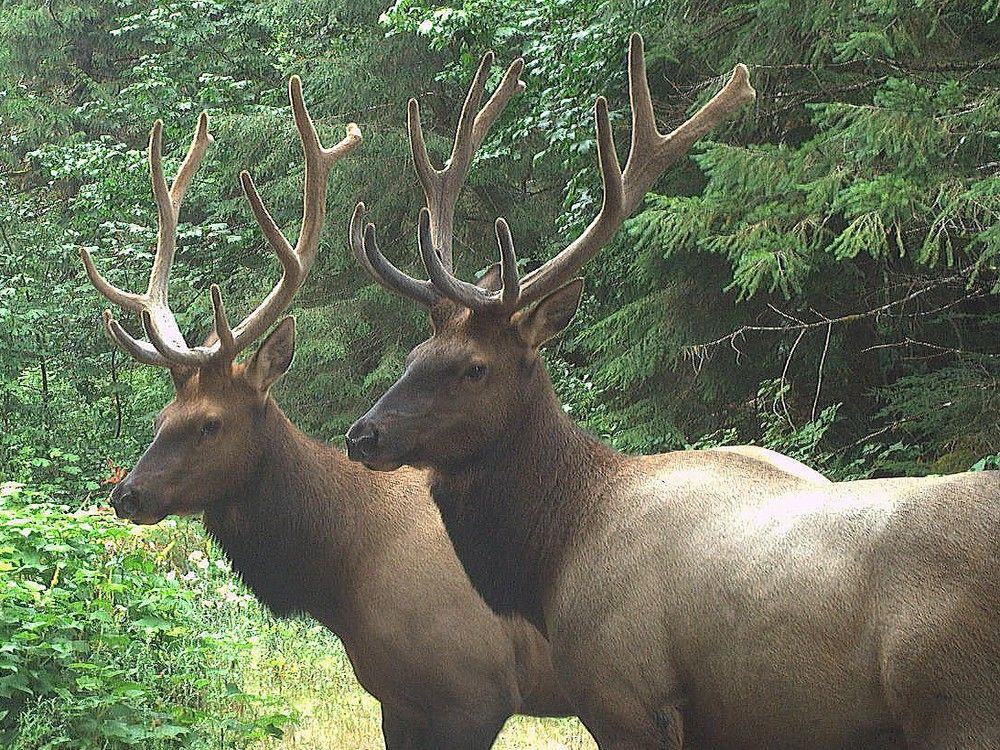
x=133 y=504
x=363 y=445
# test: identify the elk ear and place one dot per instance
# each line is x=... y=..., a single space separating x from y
x=274 y=357
x=490 y=280
x=551 y=315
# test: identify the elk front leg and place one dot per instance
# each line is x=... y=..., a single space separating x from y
x=665 y=733
x=397 y=732
x=443 y=730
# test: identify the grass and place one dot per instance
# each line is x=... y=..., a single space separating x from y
x=305 y=665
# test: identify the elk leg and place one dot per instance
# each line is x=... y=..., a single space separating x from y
x=399 y=733
x=666 y=733
x=395 y=732
x=462 y=732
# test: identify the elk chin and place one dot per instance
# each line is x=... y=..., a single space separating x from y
x=381 y=464
x=141 y=517
x=148 y=520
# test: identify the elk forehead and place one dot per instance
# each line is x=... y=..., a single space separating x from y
x=206 y=390
x=465 y=336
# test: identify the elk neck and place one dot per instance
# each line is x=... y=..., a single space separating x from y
x=290 y=529
x=513 y=510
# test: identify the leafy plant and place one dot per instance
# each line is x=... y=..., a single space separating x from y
x=103 y=645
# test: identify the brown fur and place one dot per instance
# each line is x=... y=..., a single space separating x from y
x=365 y=554
x=703 y=599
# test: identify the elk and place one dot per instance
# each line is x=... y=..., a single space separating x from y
x=693 y=599
x=307 y=530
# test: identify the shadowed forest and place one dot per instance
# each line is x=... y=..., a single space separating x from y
x=821 y=276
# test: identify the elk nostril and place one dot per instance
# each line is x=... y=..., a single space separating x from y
x=362 y=441
x=125 y=501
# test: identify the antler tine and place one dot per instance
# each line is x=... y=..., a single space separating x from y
x=394 y=279
x=167 y=347
x=651 y=153
x=128 y=300
x=377 y=266
x=474 y=297
x=510 y=85
x=443 y=280
x=222 y=331
x=442 y=186
x=138 y=350
x=296 y=262
x=510 y=285
x=356 y=234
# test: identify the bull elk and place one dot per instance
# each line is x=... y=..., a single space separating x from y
x=695 y=599
x=308 y=531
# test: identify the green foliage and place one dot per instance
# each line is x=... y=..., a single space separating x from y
x=103 y=644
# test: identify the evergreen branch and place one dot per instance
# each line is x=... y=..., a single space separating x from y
x=826 y=321
x=819 y=377
x=942 y=350
x=912 y=66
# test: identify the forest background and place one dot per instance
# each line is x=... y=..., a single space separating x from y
x=820 y=276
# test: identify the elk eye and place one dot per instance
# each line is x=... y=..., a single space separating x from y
x=210 y=427
x=475 y=372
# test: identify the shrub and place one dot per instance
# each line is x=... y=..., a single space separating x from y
x=103 y=644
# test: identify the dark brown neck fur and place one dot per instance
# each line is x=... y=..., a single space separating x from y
x=512 y=510
x=289 y=530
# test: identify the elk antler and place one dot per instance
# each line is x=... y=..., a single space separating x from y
x=441 y=186
x=167 y=347
x=650 y=154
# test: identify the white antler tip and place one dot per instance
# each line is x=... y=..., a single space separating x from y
x=601 y=107
x=246 y=181
x=740 y=81
x=357 y=217
x=741 y=75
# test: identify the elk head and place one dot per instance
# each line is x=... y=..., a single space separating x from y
x=480 y=368
x=208 y=438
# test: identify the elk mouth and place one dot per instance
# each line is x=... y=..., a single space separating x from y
x=146 y=520
x=133 y=506
x=366 y=444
